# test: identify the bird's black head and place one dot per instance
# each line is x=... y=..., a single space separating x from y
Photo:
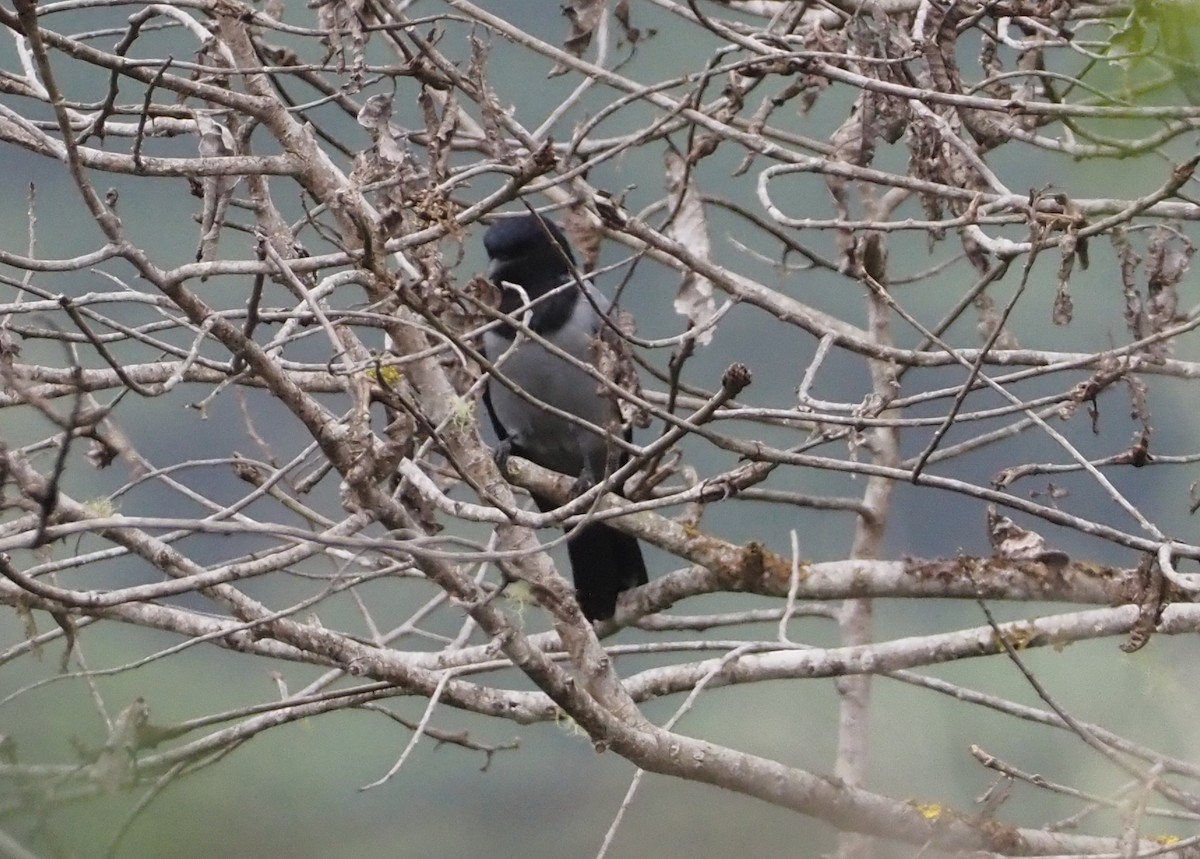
x=513 y=239
x=533 y=253
x=530 y=251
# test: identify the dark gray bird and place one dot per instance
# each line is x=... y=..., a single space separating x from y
x=533 y=254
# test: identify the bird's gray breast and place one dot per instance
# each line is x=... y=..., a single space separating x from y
x=547 y=439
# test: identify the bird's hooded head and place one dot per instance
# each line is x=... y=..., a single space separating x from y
x=531 y=252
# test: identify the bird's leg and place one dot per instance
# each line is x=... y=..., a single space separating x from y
x=615 y=457
x=586 y=444
x=585 y=481
x=502 y=452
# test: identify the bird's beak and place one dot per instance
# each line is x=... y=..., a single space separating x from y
x=501 y=285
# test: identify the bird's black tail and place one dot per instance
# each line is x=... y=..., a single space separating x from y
x=604 y=562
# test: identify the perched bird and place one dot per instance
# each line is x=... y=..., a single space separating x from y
x=530 y=257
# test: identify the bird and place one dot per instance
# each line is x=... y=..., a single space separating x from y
x=529 y=257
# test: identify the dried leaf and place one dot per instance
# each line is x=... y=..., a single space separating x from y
x=67 y=624
x=1063 y=307
x=1139 y=452
x=101 y=453
x=1130 y=260
x=621 y=12
x=1151 y=600
x=995 y=796
x=439 y=130
x=375 y=112
x=584 y=234
x=490 y=111
x=989 y=320
x=1167 y=262
x=1139 y=410
x=694 y=299
x=339 y=18
x=115 y=765
x=391 y=146
x=29 y=625
x=613 y=358
x=584 y=16
x=850 y=144
x=1168 y=258
x=10 y=350
x=1009 y=540
x=216 y=141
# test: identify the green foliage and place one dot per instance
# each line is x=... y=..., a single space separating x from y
x=1162 y=33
